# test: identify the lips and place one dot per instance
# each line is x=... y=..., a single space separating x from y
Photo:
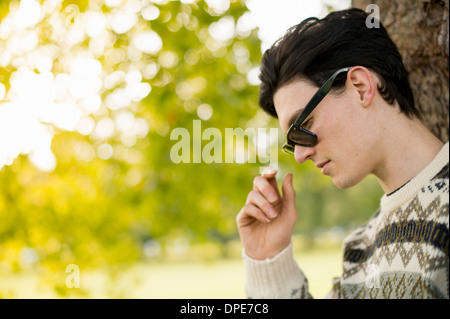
x=323 y=166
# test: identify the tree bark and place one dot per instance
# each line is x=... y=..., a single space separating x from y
x=420 y=28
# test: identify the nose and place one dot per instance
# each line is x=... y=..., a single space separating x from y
x=303 y=153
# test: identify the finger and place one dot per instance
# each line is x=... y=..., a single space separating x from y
x=267 y=187
x=248 y=214
x=257 y=199
x=288 y=191
x=269 y=172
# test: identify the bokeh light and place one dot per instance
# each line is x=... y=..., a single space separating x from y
x=90 y=91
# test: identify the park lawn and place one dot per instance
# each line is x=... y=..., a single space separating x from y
x=221 y=279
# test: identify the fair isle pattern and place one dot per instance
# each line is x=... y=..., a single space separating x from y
x=300 y=293
x=403 y=253
x=395 y=286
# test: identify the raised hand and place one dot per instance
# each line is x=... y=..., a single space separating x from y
x=267 y=220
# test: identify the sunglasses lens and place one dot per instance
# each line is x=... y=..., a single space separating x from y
x=288 y=148
x=302 y=137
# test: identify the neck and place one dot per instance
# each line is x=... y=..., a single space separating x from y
x=409 y=148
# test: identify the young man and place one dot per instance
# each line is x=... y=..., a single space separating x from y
x=341 y=94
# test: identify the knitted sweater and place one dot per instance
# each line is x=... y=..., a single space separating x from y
x=402 y=252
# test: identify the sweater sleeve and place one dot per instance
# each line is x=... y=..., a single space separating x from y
x=278 y=277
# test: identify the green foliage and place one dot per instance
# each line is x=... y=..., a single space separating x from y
x=96 y=212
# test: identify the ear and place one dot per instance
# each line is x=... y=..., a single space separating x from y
x=361 y=80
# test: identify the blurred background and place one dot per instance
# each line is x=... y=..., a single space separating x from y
x=89 y=94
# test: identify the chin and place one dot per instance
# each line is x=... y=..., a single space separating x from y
x=344 y=183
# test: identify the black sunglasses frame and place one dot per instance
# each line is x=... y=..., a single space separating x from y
x=289 y=146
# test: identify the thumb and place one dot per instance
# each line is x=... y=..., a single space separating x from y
x=288 y=190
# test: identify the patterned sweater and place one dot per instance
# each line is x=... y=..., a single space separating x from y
x=402 y=252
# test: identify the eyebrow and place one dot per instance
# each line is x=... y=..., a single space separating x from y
x=294 y=117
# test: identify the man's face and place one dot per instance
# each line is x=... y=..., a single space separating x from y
x=346 y=144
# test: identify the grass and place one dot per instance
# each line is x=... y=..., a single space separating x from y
x=221 y=279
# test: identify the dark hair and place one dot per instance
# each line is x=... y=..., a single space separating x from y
x=315 y=48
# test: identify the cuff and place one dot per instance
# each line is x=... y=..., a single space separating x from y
x=278 y=277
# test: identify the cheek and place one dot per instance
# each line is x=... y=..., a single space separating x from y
x=335 y=130
x=346 y=140
x=346 y=132
x=348 y=151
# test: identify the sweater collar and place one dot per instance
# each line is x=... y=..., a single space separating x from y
x=410 y=189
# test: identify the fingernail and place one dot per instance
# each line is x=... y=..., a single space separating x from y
x=269 y=170
x=273 y=213
x=272 y=197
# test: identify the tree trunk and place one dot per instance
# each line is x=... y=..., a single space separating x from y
x=419 y=28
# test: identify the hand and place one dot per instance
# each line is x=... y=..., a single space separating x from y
x=267 y=220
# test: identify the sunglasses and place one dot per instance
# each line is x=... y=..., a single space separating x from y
x=298 y=135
